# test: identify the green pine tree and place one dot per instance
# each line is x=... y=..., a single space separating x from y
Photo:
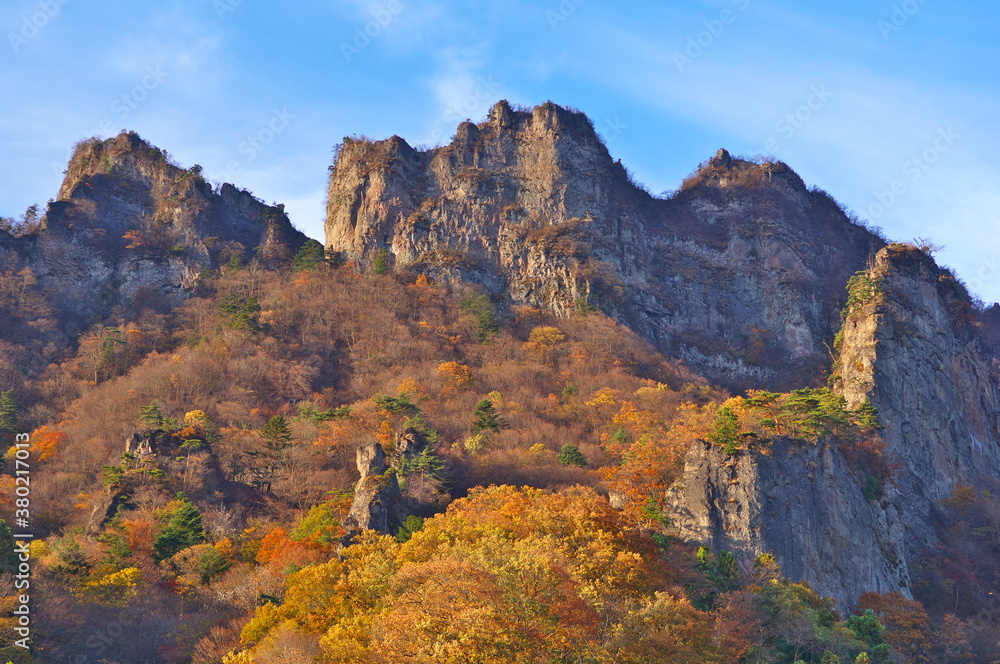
x=183 y=530
x=570 y=455
x=481 y=308
x=426 y=464
x=485 y=417
x=381 y=264
x=400 y=404
x=211 y=563
x=277 y=433
x=867 y=628
x=412 y=525
x=151 y=416
x=726 y=431
x=71 y=561
x=309 y=256
x=241 y=313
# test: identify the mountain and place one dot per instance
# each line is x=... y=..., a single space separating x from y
x=912 y=348
x=741 y=273
x=129 y=227
x=728 y=424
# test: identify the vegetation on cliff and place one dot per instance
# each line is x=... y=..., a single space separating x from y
x=254 y=413
x=195 y=457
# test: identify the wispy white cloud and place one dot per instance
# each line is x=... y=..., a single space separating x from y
x=855 y=144
x=185 y=45
x=461 y=85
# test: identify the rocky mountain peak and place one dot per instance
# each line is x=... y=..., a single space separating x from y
x=124 y=184
x=721 y=158
x=724 y=171
x=130 y=225
x=740 y=273
x=912 y=348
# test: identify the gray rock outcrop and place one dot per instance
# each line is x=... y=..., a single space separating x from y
x=381 y=502
x=802 y=503
x=913 y=349
x=377 y=497
x=740 y=273
x=129 y=227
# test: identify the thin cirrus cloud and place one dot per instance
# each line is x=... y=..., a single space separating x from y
x=869 y=131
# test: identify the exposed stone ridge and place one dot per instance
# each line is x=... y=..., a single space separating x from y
x=912 y=346
x=128 y=225
x=135 y=186
x=740 y=273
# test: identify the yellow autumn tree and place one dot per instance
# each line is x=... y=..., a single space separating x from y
x=504 y=575
x=457 y=376
x=114 y=589
x=543 y=343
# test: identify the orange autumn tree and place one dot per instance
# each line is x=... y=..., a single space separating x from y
x=280 y=552
x=908 y=627
x=654 y=458
x=46 y=443
x=506 y=574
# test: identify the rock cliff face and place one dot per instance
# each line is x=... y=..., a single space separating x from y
x=129 y=225
x=376 y=495
x=990 y=330
x=804 y=504
x=740 y=273
x=912 y=345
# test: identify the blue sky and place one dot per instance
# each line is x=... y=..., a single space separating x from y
x=891 y=106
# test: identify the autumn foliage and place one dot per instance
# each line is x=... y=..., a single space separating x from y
x=265 y=385
x=506 y=573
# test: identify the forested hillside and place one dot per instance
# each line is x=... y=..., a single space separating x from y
x=256 y=448
x=252 y=398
